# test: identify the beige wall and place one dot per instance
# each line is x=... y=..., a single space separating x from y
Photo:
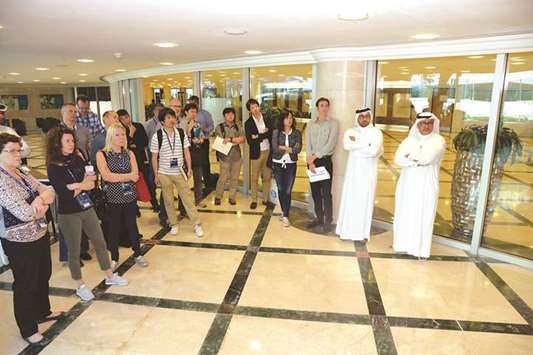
x=34 y=107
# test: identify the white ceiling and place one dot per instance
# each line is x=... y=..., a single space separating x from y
x=54 y=33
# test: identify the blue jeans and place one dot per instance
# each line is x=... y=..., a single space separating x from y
x=285 y=177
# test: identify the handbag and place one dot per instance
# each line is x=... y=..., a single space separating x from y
x=143 y=194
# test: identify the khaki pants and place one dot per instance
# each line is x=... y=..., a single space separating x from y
x=228 y=170
x=259 y=167
x=167 y=186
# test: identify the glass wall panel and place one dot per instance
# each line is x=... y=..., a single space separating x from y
x=509 y=216
x=458 y=91
x=286 y=87
x=162 y=88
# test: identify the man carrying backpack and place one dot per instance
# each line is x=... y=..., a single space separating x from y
x=171 y=162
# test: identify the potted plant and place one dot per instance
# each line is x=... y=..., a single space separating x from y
x=469 y=145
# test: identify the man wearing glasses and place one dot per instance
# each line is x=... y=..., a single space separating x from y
x=86 y=118
x=4 y=128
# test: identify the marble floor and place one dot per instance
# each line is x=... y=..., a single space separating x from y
x=251 y=286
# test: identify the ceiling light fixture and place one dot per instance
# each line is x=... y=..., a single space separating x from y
x=166 y=63
x=165 y=44
x=20 y=82
x=425 y=36
x=14 y=73
x=81 y=81
x=42 y=68
x=36 y=80
x=235 y=31
x=272 y=70
x=84 y=74
x=56 y=78
x=120 y=70
x=518 y=63
x=1 y=27
x=465 y=71
x=63 y=82
x=85 y=60
x=384 y=62
x=253 y=52
x=354 y=14
x=430 y=67
x=475 y=56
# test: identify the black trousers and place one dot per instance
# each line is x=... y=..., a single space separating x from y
x=206 y=167
x=122 y=217
x=321 y=192
x=32 y=267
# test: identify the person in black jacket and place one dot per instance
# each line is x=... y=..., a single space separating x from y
x=199 y=148
x=258 y=130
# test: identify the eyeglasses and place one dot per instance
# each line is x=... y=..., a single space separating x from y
x=12 y=151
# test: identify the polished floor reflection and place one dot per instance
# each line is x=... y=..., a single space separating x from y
x=251 y=286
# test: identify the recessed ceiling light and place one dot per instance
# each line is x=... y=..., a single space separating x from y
x=120 y=70
x=145 y=76
x=14 y=73
x=253 y=52
x=84 y=74
x=42 y=68
x=272 y=70
x=36 y=80
x=355 y=14
x=165 y=44
x=384 y=62
x=1 y=27
x=404 y=73
x=465 y=71
x=235 y=31
x=56 y=78
x=235 y=73
x=518 y=63
x=425 y=36
x=63 y=82
x=476 y=56
x=281 y=74
x=166 y=63
x=81 y=81
x=20 y=82
x=430 y=67
x=85 y=60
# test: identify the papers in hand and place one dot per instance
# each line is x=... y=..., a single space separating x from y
x=222 y=147
x=320 y=174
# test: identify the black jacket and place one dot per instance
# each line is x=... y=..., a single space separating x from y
x=250 y=129
x=295 y=142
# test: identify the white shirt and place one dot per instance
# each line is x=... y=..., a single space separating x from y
x=261 y=128
x=286 y=158
x=167 y=154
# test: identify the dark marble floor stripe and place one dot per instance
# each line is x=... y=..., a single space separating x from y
x=248 y=213
x=217 y=331
x=410 y=257
x=160 y=302
x=378 y=318
x=75 y=311
x=306 y=251
x=175 y=243
x=425 y=323
x=327 y=317
x=510 y=295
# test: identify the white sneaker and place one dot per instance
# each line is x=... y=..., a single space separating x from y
x=84 y=293
x=198 y=230
x=174 y=230
x=116 y=280
x=286 y=222
x=281 y=217
x=141 y=261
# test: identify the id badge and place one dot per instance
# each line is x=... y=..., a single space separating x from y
x=41 y=223
x=127 y=189
x=174 y=163
x=84 y=200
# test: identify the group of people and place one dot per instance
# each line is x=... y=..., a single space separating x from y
x=86 y=159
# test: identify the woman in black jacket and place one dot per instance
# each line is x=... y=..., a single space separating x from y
x=198 y=149
x=286 y=145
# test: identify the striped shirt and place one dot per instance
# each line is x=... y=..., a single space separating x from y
x=167 y=154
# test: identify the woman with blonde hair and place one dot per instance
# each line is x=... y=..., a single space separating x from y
x=119 y=171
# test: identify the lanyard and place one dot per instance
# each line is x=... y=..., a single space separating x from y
x=173 y=145
x=24 y=184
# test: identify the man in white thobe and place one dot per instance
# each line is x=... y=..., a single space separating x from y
x=365 y=145
x=417 y=192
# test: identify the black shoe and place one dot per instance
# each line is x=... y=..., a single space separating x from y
x=85 y=256
x=232 y=202
x=155 y=206
x=138 y=213
x=82 y=264
x=253 y=205
x=217 y=201
x=326 y=228
x=163 y=223
x=314 y=223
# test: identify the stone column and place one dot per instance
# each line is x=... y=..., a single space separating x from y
x=343 y=83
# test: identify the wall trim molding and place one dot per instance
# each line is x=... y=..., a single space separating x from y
x=484 y=45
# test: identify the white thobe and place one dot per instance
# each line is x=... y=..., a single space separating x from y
x=357 y=201
x=417 y=193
